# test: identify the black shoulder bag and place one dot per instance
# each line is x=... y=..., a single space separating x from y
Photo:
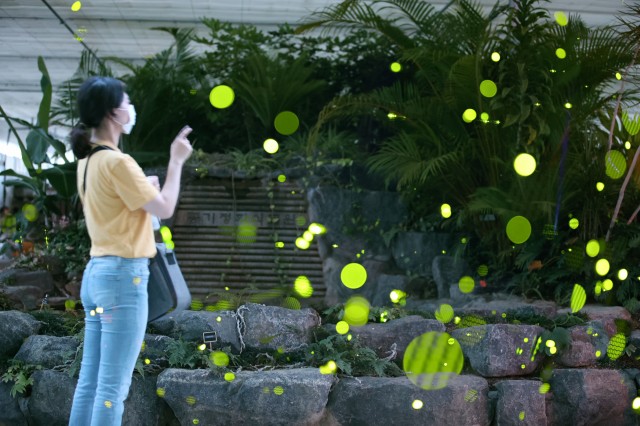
x=167 y=290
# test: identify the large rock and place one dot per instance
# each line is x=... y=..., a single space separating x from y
x=614 y=318
x=385 y=284
x=26 y=297
x=15 y=326
x=499 y=350
x=591 y=397
x=190 y=326
x=447 y=271
x=505 y=310
x=588 y=345
x=520 y=403
x=276 y=328
x=337 y=292
x=382 y=401
x=47 y=351
x=10 y=413
x=393 y=337
x=414 y=252
x=52 y=396
x=155 y=348
x=41 y=279
x=276 y=397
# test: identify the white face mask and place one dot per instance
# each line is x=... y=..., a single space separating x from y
x=128 y=126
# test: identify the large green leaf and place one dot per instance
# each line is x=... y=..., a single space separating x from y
x=21 y=180
x=37 y=145
x=62 y=178
x=45 y=103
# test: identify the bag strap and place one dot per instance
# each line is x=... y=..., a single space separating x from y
x=93 y=151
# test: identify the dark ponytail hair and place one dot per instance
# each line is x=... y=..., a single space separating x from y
x=97 y=97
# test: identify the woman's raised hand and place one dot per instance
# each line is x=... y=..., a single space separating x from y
x=181 y=147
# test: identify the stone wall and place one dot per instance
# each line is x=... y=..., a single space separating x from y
x=506 y=380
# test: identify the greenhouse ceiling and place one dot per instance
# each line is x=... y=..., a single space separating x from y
x=123 y=28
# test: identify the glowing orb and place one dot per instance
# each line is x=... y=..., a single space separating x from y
x=302 y=244
x=108 y=404
x=271 y=146
x=615 y=164
x=445 y=210
x=578 y=298
x=219 y=358
x=291 y=303
x=221 y=96
x=466 y=284
x=518 y=229
x=593 y=248
x=432 y=359
x=76 y=6
x=483 y=270
x=397 y=295
x=356 y=311
x=484 y=117
x=544 y=388
x=307 y=236
x=599 y=186
x=286 y=123
x=524 y=164
x=279 y=244
x=317 y=229
x=329 y=368
x=561 y=18
x=165 y=232
x=30 y=212
x=623 y=274
x=618 y=76
x=521 y=415
x=495 y=57
x=568 y=105
x=160 y=392
x=627 y=145
x=282 y=178
x=574 y=223
x=395 y=67
x=561 y=53
x=602 y=267
x=301 y=220
x=488 y=88
x=607 y=285
x=342 y=327
x=417 y=404
x=616 y=347
x=469 y=115
x=303 y=286
x=444 y=313
x=247 y=230
x=353 y=275
x=278 y=390
x=636 y=403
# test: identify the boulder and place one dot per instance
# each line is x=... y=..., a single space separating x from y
x=413 y=252
x=392 y=338
x=520 y=403
x=588 y=345
x=10 y=413
x=382 y=401
x=190 y=326
x=15 y=326
x=25 y=297
x=41 y=279
x=499 y=350
x=614 y=318
x=384 y=285
x=447 y=272
x=47 y=351
x=584 y=397
x=506 y=309
x=51 y=398
x=275 y=397
x=276 y=328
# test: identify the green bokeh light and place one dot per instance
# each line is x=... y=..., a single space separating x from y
x=599 y=186
x=271 y=146
x=303 y=286
x=282 y=178
x=356 y=311
x=30 y=212
x=592 y=248
x=219 y=358
x=221 y=96
x=483 y=270
x=524 y=164
x=444 y=313
x=229 y=376
x=76 y=6
x=445 y=210
x=578 y=298
x=518 y=229
x=574 y=223
x=286 y=123
x=469 y=115
x=631 y=123
x=561 y=18
x=623 y=274
x=342 y=327
x=495 y=57
x=616 y=347
x=488 y=88
x=615 y=164
x=466 y=284
x=353 y=275
x=396 y=66
x=432 y=359
x=602 y=267
x=291 y=303
x=561 y=53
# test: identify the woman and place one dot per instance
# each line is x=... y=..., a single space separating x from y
x=118 y=201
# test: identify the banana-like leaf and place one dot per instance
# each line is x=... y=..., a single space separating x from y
x=37 y=145
x=45 y=103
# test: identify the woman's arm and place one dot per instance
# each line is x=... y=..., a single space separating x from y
x=164 y=204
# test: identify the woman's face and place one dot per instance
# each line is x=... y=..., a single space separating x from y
x=122 y=112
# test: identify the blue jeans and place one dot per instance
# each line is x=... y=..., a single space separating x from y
x=114 y=296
